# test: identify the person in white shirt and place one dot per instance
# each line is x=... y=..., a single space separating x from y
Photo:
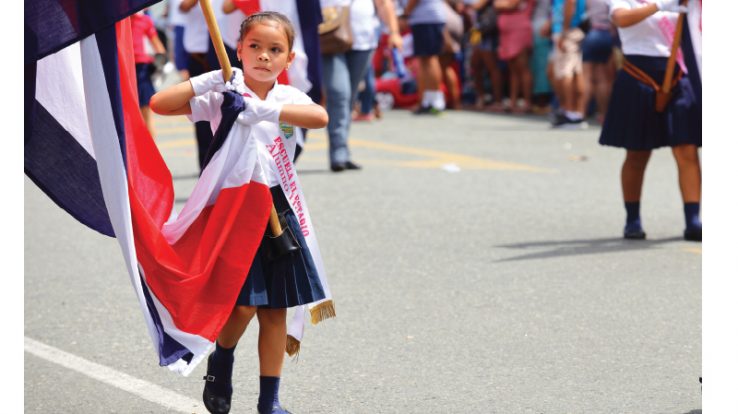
x=427 y=20
x=632 y=121
x=199 y=60
x=342 y=72
x=230 y=23
x=265 y=49
x=177 y=22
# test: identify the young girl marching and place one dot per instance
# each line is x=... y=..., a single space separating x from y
x=272 y=285
x=632 y=120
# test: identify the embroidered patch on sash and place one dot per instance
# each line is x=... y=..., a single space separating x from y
x=288 y=130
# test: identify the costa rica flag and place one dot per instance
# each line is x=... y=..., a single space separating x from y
x=87 y=147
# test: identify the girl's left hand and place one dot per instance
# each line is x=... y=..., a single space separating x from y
x=258 y=110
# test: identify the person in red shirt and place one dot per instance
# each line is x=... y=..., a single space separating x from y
x=142 y=28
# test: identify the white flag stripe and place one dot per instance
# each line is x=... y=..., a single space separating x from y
x=60 y=75
x=143 y=389
x=113 y=180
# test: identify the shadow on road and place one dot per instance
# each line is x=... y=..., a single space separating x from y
x=558 y=248
x=694 y=412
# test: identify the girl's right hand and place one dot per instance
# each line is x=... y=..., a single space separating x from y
x=202 y=84
x=213 y=81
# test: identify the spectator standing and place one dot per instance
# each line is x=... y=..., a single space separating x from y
x=177 y=22
x=632 y=121
x=342 y=72
x=143 y=30
x=484 y=55
x=598 y=65
x=453 y=34
x=197 y=44
x=427 y=20
x=567 y=38
x=541 y=24
x=516 y=41
x=230 y=22
x=367 y=105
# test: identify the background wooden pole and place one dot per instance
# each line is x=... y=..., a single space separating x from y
x=669 y=75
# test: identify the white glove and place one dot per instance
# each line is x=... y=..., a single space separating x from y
x=258 y=110
x=213 y=81
x=236 y=83
x=670 y=6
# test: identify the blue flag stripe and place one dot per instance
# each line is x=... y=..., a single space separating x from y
x=65 y=171
x=169 y=349
x=52 y=25
x=107 y=45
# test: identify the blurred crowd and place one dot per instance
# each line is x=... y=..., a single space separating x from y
x=507 y=56
x=514 y=56
x=501 y=56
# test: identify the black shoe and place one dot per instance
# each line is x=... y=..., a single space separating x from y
x=558 y=119
x=427 y=110
x=693 y=234
x=214 y=402
x=350 y=165
x=277 y=409
x=561 y=121
x=634 y=233
x=338 y=166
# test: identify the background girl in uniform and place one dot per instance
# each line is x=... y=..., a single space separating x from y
x=142 y=28
x=265 y=49
x=632 y=121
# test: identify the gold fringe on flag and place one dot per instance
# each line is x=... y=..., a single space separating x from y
x=293 y=346
x=322 y=311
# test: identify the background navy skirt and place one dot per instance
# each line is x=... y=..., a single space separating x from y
x=287 y=281
x=632 y=121
x=145 y=87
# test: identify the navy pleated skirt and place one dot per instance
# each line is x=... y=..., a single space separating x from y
x=145 y=86
x=286 y=281
x=632 y=121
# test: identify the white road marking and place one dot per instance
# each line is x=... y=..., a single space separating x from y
x=144 y=389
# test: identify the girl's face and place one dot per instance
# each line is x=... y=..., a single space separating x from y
x=264 y=52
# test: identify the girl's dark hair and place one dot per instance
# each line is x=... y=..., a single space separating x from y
x=265 y=16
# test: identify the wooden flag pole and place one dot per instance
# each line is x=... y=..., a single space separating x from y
x=225 y=64
x=669 y=75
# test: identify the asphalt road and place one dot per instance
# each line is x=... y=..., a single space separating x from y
x=476 y=263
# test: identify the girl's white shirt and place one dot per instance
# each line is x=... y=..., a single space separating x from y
x=206 y=107
x=648 y=37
